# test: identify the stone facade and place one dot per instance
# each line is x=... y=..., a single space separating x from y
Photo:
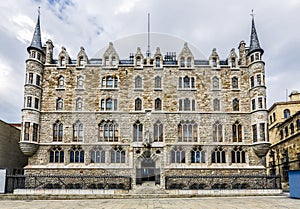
x=145 y=117
x=284 y=129
x=11 y=157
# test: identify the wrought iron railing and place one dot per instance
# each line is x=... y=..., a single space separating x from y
x=67 y=182
x=223 y=182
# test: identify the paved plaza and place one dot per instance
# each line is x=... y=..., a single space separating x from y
x=265 y=202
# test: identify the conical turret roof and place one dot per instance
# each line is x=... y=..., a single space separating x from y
x=254 y=42
x=36 y=39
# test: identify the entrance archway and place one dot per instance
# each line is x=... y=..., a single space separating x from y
x=147 y=172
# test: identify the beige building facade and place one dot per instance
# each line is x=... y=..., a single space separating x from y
x=284 y=131
x=147 y=117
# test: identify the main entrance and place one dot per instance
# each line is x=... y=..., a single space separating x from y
x=147 y=172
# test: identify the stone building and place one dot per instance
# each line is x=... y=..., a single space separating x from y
x=11 y=157
x=284 y=129
x=147 y=117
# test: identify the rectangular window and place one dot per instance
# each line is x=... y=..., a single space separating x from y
x=30 y=78
x=180 y=83
x=35 y=132
x=262 y=132
x=258 y=77
x=253 y=104
x=254 y=133
x=38 y=80
x=252 y=81
x=260 y=103
x=180 y=105
x=36 y=103
x=193 y=105
x=26 y=131
x=115 y=104
x=29 y=99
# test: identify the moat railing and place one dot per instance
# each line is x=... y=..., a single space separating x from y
x=67 y=182
x=208 y=182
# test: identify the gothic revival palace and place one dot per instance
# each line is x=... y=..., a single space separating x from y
x=146 y=117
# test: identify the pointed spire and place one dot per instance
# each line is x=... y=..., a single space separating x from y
x=36 y=39
x=254 y=42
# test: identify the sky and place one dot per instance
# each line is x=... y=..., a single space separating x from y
x=205 y=24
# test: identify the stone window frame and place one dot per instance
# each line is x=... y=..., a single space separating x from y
x=80 y=82
x=36 y=103
x=138 y=104
x=157 y=62
x=216 y=83
x=235 y=83
x=117 y=155
x=237 y=132
x=186 y=104
x=187 y=131
x=106 y=80
x=61 y=82
x=138 y=82
x=254 y=133
x=262 y=131
x=217 y=132
x=157 y=82
x=78 y=132
x=56 y=155
x=79 y=104
x=186 y=82
x=216 y=104
x=158 y=131
x=29 y=101
x=98 y=155
x=108 y=104
x=197 y=155
x=298 y=124
x=138 y=130
x=26 y=131
x=57 y=135
x=253 y=104
x=177 y=155
x=292 y=128
x=286 y=131
x=30 y=78
x=218 y=155
x=238 y=155
x=76 y=154
x=35 y=129
x=37 y=80
x=157 y=104
x=252 y=82
x=108 y=131
x=236 y=104
x=59 y=104
x=286 y=113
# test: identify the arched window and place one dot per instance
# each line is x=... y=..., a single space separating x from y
x=238 y=155
x=80 y=82
x=109 y=82
x=182 y=64
x=117 y=155
x=157 y=83
x=217 y=132
x=235 y=83
x=137 y=132
x=157 y=62
x=187 y=131
x=57 y=131
x=177 y=155
x=292 y=128
x=236 y=105
x=56 y=155
x=189 y=62
x=138 y=104
x=108 y=131
x=79 y=104
x=197 y=155
x=158 y=132
x=218 y=155
x=61 y=82
x=77 y=132
x=59 y=104
x=157 y=104
x=216 y=105
x=138 y=82
x=109 y=104
x=286 y=113
x=76 y=155
x=186 y=82
x=98 y=155
x=237 y=132
x=215 y=82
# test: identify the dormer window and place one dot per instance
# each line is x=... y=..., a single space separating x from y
x=81 y=61
x=189 y=62
x=106 y=61
x=157 y=62
x=113 y=61
x=214 y=62
x=182 y=64
x=233 y=62
x=63 y=61
x=138 y=61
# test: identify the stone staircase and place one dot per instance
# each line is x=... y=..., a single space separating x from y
x=148 y=188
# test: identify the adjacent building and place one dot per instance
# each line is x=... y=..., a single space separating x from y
x=11 y=157
x=146 y=117
x=284 y=132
